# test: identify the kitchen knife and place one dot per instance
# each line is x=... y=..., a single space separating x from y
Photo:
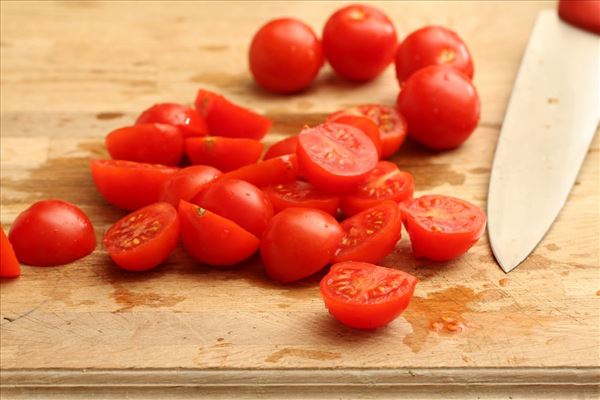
x=550 y=122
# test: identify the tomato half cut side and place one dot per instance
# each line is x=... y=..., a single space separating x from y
x=282 y=148
x=223 y=153
x=366 y=296
x=370 y=235
x=9 y=266
x=187 y=183
x=442 y=227
x=365 y=124
x=273 y=171
x=301 y=194
x=183 y=117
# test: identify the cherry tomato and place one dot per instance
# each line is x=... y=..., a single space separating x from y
x=223 y=153
x=285 y=56
x=282 y=148
x=359 y=42
x=239 y=201
x=187 y=183
x=384 y=182
x=301 y=194
x=149 y=143
x=441 y=107
x=273 y=171
x=371 y=234
x=129 y=185
x=143 y=239
x=365 y=124
x=335 y=157
x=212 y=239
x=432 y=45
x=299 y=242
x=366 y=296
x=582 y=13
x=227 y=119
x=52 y=232
x=442 y=227
x=9 y=266
x=189 y=122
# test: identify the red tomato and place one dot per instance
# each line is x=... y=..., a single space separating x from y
x=365 y=124
x=187 y=183
x=143 y=239
x=285 y=56
x=282 y=148
x=223 y=153
x=212 y=239
x=129 y=185
x=582 y=13
x=366 y=296
x=335 y=157
x=52 y=232
x=442 y=227
x=276 y=170
x=227 y=119
x=299 y=242
x=441 y=106
x=370 y=235
x=301 y=194
x=384 y=182
x=9 y=266
x=150 y=143
x=432 y=45
x=183 y=117
x=359 y=42
x=239 y=201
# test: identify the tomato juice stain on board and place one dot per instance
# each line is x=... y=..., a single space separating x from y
x=129 y=299
x=319 y=355
x=109 y=115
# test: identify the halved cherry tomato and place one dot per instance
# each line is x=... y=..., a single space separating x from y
x=335 y=157
x=183 y=117
x=301 y=194
x=239 y=201
x=187 y=183
x=149 y=143
x=370 y=235
x=365 y=124
x=52 y=232
x=276 y=170
x=384 y=182
x=9 y=266
x=225 y=118
x=143 y=239
x=442 y=227
x=584 y=14
x=282 y=148
x=366 y=296
x=223 y=153
x=299 y=242
x=127 y=184
x=212 y=239
x=432 y=45
x=441 y=107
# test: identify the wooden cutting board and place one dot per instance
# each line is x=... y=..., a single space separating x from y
x=71 y=72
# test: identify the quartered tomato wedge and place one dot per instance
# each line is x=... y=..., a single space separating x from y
x=9 y=266
x=384 y=182
x=442 y=227
x=143 y=239
x=370 y=235
x=365 y=124
x=223 y=153
x=301 y=194
x=273 y=171
x=187 y=183
x=183 y=117
x=366 y=296
x=283 y=147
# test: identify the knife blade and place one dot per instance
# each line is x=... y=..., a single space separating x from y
x=548 y=127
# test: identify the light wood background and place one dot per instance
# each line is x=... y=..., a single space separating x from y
x=71 y=72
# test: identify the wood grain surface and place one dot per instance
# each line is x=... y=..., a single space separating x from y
x=73 y=71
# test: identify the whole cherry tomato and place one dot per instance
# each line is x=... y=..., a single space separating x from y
x=584 y=14
x=183 y=117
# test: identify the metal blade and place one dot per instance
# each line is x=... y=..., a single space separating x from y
x=548 y=127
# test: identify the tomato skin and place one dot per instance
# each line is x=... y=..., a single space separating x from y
x=301 y=194
x=155 y=228
x=9 y=266
x=239 y=201
x=212 y=239
x=273 y=171
x=129 y=185
x=441 y=106
x=223 y=153
x=379 y=309
x=359 y=42
x=225 y=118
x=187 y=183
x=371 y=234
x=149 y=143
x=189 y=122
x=365 y=124
x=282 y=148
x=432 y=45
x=423 y=217
x=584 y=14
x=285 y=56
x=52 y=232
x=299 y=242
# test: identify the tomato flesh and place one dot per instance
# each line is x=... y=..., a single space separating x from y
x=189 y=122
x=9 y=266
x=187 y=183
x=223 y=153
x=365 y=124
x=273 y=171
x=301 y=194
x=282 y=148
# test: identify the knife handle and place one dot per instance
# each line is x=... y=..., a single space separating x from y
x=584 y=14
